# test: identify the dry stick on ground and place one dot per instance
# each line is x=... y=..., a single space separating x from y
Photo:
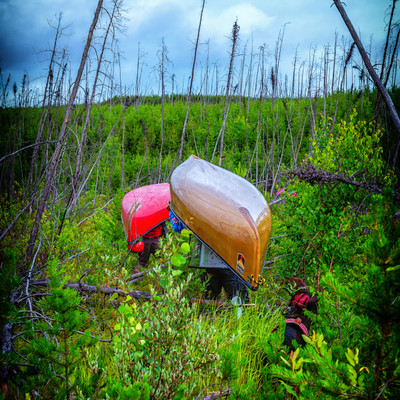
x=138 y=275
x=191 y=84
x=384 y=93
x=216 y=395
x=62 y=138
x=137 y=294
x=80 y=287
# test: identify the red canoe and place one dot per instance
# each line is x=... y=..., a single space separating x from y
x=144 y=208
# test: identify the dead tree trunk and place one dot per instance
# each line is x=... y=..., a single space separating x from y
x=47 y=91
x=235 y=34
x=74 y=192
x=62 y=138
x=382 y=90
x=191 y=84
x=162 y=69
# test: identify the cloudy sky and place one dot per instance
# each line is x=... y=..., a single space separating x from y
x=25 y=29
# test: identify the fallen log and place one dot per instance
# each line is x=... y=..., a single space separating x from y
x=136 y=294
x=81 y=287
x=216 y=395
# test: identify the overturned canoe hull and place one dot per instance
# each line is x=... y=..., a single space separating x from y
x=226 y=212
x=144 y=208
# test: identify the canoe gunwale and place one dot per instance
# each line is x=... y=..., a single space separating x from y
x=249 y=285
x=139 y=237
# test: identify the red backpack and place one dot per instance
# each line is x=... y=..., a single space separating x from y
x=301 y=300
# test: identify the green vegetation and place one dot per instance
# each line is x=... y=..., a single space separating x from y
x=79 y=325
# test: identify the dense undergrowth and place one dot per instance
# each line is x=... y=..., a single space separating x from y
x=134 y=145
x=342 y=239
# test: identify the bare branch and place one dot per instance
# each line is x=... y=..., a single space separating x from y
x=95 y=289
x=313 y=175
x=25 y=148
x=191 y=84
x=384 y=93
x=62 y=137
x=16 y=219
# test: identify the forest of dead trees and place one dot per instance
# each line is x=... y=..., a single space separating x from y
x=75 y=145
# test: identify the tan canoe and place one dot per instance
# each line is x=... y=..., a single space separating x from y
x=226 y=212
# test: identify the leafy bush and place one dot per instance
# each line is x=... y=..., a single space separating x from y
x=345 y=242
x=56 y=340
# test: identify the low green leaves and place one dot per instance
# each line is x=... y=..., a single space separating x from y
x=178 y=260
x=185 y=248
x=176 y=272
